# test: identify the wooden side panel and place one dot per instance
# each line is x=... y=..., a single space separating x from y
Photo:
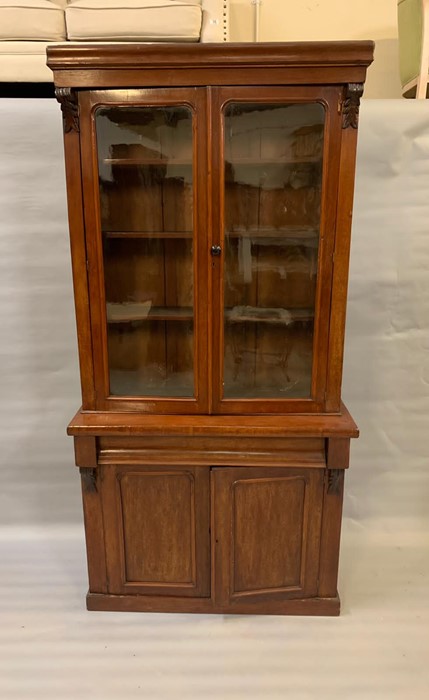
x=79 y=265
x=331 y=531
x=340 y=278
x=85 y=451
x=157 y=529
x=266 y=533
x=94 y=531
x=338 y=453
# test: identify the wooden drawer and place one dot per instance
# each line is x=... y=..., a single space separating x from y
x=213 y=451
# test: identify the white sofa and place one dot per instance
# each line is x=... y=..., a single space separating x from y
x=28 y=26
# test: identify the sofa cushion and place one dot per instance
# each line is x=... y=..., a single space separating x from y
x=31 y=20
x=133 y=20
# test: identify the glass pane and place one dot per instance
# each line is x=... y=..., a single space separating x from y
x=146 y=194
x=273 y=179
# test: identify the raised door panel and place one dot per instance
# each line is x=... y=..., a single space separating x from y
x=267 y=533
x=275 y=183
x=157 y=530
x=145 y=204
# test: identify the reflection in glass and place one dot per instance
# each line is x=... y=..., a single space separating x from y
x=273 y=174
x=146 y=201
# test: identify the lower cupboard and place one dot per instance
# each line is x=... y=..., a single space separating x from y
x=212 y=539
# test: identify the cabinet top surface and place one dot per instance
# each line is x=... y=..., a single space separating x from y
x=111 y=423
x=157 y=55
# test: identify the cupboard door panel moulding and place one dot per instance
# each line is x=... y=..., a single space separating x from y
x=210 y=191
x=284 y=504
x=157 y=530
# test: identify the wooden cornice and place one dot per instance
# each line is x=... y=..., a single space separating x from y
x=193 y=56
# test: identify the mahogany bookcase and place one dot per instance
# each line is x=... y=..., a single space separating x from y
x=210 y=191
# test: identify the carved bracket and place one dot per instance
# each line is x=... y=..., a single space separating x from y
x=89 y=479
x=334 y=481
x=69 y=107
x=351 y=105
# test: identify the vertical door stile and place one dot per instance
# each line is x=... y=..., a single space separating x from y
x=93 y=247
x=215 y=307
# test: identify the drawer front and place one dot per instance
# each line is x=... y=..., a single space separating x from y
x=213 y=451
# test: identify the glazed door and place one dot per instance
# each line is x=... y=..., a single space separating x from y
x=266 y=534
x=144 y=158
x=272 y=246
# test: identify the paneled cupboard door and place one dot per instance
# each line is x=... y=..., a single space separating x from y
x=266 y=533
x=273 y=236
x=156 y=521
x=144 y=153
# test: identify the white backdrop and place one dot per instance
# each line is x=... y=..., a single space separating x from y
x=386 y=374
x=50 y=647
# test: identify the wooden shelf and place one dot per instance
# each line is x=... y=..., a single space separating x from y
x=279 y=160
x=294 y=232
x=143 y=311
x=274 y=316
x=147 y=161
x=135 y=311
x=148 y=234
x=123 y=383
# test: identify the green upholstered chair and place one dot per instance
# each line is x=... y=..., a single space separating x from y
x=413 y=25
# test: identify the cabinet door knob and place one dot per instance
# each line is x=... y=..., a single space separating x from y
x=215 y=250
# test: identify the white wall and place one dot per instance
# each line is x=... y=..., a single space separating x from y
x=323 y=20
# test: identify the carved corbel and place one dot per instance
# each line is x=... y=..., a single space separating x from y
x=351 y=105
x=69 y=107
x=334 y=481
x=89 y=479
